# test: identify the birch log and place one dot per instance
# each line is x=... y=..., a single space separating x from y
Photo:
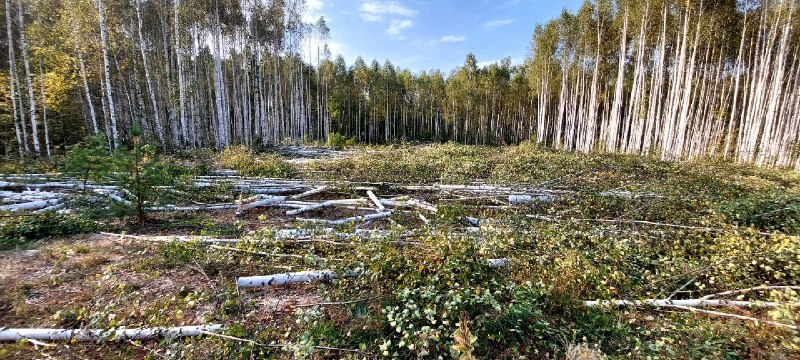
x=375 y=200
x=289 y=278
x=687 y=303
x=325 y=204
x=273 y=200
x=310 y=192
x=317 y=276
x=381 y=215
x=33 y=205
x=529 y=199
x=7 y=334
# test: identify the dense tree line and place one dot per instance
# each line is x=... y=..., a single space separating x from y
x=676 y=79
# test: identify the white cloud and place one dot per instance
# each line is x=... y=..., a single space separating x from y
x=396 y=26
x=497 y=23
x=313 y=10
x=374 y=10
x=450 y=38
x=514 y=61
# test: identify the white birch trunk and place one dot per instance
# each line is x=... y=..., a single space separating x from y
x=44 y=110
x=107 y=71
x=121 y=334
x=84 y=78
x=156 y=117
x=28 y=80
x=19 y=124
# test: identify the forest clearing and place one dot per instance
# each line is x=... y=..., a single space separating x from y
x=231 y=179
x=401 y=251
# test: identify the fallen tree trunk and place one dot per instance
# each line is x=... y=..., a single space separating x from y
x=33 y=205
x=289 y=278
x=410 y=203
x=7 y=334
x=325 y=204
x=310 y=192
x=375 y=200
x=265 y=202
x=193 y=208
x=689 y=303
x=370 y=217
x=317 y=276
x=738 y=317
x=529 y=199
x=638 y=222
x=50 y=208
x=175 y=238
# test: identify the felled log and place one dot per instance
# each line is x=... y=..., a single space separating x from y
x=375 y=200
x=370 y=217
x=175 y=238
x=499 y=263
x=310 y=192
x=7 y=334
x=28 y=196
x=33 y=205
x=113 y=195
x=272 y=200
x=752 y=289
x=398 y=202
x=55 y=207
x=529 y=199
x=290 y=278
x=687 y=303
x=630 y=194
x=193 y=208
x=316 y=276
x=325 y=204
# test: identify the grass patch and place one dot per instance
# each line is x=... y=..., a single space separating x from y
x=248 y=163
x=18 y=231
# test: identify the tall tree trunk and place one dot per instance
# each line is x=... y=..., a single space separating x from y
x=28 y=80
x=84 y=78
x=181 y=84
x=44 y=110
x=107 y=71
x=19 y=124
x=159 y=129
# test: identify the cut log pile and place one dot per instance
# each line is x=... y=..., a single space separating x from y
x=38 y=192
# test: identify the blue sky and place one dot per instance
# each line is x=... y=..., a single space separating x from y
x=436 y=34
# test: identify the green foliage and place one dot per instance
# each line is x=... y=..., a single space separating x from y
x=248 y=163
x=777 y=211
x=140 y=172
x=337 y=140
x=448 y=163
x=27 y=166
x=18 y=231
x=90 y=160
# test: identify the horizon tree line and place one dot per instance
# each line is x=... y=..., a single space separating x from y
x=668 y=78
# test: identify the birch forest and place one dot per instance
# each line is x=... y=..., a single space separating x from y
x=668 y=78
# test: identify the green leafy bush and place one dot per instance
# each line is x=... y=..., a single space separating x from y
x=18 y=231
x=337 y=140
x=140 y=172
x=778 y=211
x=246 y=162
x=90 y=160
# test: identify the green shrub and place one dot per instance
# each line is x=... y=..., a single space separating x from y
x=337 y=140
x=140 y=172
x=17 y=231
x=90 y=160
x=246 y=162
x=776 y=211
